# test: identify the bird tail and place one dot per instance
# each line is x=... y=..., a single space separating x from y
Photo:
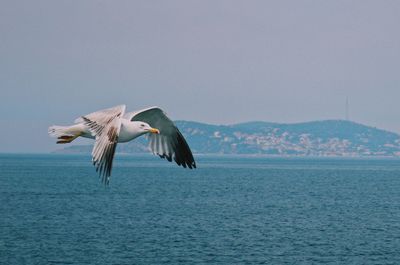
x=64 y=134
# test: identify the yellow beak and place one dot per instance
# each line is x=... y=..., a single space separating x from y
x=154 y=130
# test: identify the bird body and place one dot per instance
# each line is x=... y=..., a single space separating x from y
x=129 y=131
x=111 y=126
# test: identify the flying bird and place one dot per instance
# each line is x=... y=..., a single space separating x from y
x=111 y=126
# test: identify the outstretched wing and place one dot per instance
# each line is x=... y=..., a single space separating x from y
x=169 y=143
x=104 y=126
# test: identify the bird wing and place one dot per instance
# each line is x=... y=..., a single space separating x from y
x=169 y=143
x=105 y=126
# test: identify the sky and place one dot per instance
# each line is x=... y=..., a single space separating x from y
x=219 y=62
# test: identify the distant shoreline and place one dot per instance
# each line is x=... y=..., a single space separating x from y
x=213 y=155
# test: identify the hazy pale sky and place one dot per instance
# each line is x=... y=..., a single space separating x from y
x=211 y=61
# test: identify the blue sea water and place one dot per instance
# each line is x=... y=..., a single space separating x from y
x=231 y=210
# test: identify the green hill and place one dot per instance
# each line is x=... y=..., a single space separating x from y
x=317 y=138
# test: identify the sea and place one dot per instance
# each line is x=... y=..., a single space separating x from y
x=230 y=210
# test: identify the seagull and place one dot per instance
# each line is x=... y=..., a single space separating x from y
x=111 y=126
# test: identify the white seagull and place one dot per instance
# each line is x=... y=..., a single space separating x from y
x=111 y=126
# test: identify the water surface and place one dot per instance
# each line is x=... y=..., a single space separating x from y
x=231 y=210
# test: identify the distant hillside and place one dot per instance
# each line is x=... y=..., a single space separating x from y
x=318 y=138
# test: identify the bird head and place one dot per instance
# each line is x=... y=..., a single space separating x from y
x=146 y=128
